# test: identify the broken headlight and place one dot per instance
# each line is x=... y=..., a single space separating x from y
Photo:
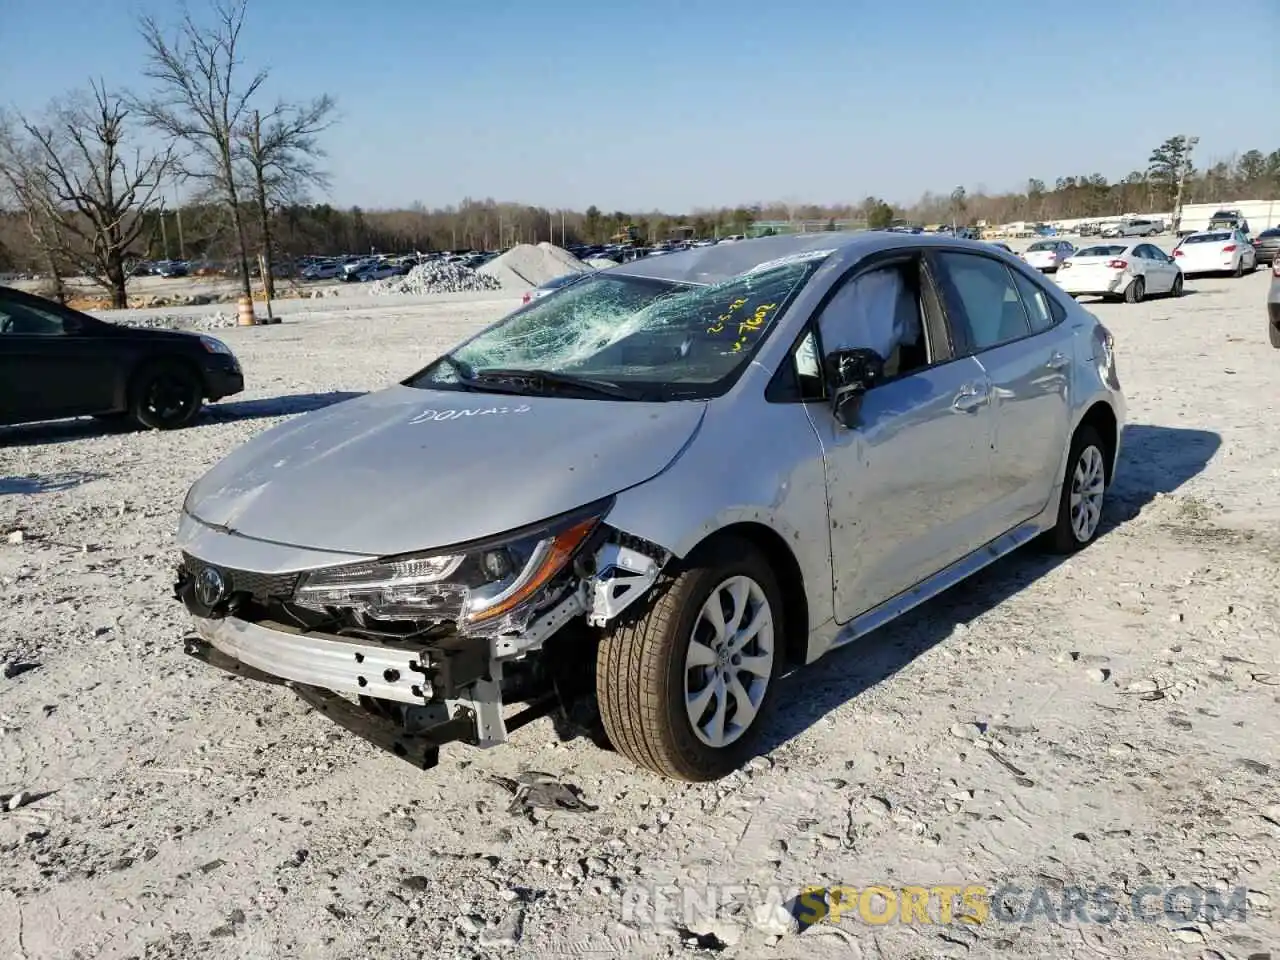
x=468 y=585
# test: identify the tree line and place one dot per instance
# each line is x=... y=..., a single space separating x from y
x=84 y=184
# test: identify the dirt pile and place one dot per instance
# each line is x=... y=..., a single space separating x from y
x=526 y=265
x=435 y=277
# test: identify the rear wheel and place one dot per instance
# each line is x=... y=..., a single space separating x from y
x=1135 y=291
x=683 y=687
x=1273 y=330
x=1238 y=272
x=1083 y=489
x=166 y=395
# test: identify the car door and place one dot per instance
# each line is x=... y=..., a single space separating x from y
x=1015 y=329
x=904 y=484
x=1160 y=271
x=52 y=363
x=1250 y=255
x=1141 y=263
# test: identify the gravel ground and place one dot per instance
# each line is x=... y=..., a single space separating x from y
x=1107 y=720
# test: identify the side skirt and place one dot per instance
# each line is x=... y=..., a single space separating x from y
x=944 y=579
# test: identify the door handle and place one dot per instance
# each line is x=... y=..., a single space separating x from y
x=970 y=398
x=1058 y=360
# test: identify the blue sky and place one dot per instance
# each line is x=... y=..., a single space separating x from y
x=675 y=104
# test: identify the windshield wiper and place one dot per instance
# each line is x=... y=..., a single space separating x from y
x=542 y=380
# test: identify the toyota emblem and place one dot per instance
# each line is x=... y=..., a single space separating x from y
x=211 y=587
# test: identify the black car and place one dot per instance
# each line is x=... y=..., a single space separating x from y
x=57 y=362
x=1267 y=245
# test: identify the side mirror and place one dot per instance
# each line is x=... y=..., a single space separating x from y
x=850 y=374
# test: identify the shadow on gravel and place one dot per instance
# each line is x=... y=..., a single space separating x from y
x=61 y=431
x=285 y=406
x=54 y=483
x=1153 y=460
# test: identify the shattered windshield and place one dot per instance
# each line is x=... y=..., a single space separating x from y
x=657 y=339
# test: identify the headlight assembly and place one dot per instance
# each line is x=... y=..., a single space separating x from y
x=469 y=585
x=214 y=345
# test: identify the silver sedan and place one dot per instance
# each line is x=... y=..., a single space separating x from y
x=634 y=504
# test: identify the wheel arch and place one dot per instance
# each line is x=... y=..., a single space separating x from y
x=1103 y=419
x=795 y=601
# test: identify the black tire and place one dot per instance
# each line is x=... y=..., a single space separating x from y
x=1273 y=331
x=1135 y=291
x=165 y=395
x=1064 y=537
x=1177 y=289
x=641 y=668
x=1238 y=272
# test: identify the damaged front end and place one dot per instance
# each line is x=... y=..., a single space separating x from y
x=413 y=652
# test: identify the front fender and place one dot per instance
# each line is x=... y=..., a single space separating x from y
x=752 y=462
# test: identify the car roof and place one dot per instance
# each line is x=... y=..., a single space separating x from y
x=724 y=261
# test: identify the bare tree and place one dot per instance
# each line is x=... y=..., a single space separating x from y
x=92 y=190
x=200 y=103
x=280 y=151
x=24 y=188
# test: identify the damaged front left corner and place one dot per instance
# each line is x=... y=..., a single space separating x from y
x=623 y=575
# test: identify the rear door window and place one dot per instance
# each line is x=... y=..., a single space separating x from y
x=1039 y=307
x=982 y=300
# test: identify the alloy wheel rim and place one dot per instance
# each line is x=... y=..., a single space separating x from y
x=168 y=398
x=729 y=662
x=1088 y=483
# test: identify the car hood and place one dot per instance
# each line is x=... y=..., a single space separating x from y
x=404 y=469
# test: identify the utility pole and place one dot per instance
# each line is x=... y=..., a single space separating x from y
x=164 y=231
x=1184 y=167
x=177 y=212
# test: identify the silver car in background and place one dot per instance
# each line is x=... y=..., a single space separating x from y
x=633 y=505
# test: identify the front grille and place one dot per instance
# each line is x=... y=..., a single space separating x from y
x=261 y=586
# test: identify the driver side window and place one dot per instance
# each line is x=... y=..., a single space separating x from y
x=881 y=310
x=19 y=318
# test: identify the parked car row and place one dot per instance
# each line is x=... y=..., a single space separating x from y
x=1133 y=271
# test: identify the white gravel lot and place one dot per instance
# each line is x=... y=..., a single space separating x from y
x=1107 y=720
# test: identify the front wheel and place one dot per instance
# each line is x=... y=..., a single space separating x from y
x=1273 y=331
x=683 y=686
x=1135 y=291
x=166 y=395
x=1176 y=289
x=1083 y=490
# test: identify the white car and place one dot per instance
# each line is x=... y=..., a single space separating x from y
x=1047 y=255
x=1216 y=251
x=1128 y=270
